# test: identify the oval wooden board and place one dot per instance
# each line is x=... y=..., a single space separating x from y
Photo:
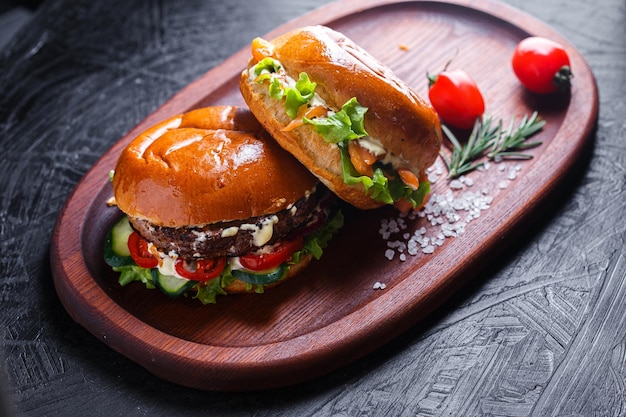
x=331 y=315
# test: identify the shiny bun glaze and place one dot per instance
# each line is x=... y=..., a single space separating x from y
x=208 y=165
x=399 y=118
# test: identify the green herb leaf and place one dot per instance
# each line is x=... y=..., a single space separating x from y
x=463 y=156
x=489 y=141
x=516 y=138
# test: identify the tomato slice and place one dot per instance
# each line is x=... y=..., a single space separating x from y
x=200 y=269
x=138 y=248
x=281 y=252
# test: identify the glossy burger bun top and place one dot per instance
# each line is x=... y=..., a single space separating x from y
x=208 y=165
x=405 y=124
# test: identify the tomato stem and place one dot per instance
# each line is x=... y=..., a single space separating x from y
x=562 y=78
x=432 y=79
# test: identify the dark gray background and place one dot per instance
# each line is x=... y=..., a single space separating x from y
x=539 y=332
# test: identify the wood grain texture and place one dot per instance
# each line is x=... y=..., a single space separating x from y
x=509 y=344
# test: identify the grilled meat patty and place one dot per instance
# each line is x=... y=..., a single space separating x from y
x=233 y=238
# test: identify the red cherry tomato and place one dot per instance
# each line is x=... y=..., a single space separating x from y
x=542 y=65
x=456 y=98
x=138 y=248
x=200 y=269
x=281 y=252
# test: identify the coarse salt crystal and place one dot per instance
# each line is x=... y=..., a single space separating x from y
x=447 y=215
x=429 y=249
x=456 y=185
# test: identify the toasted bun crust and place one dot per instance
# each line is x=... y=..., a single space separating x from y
x=210 y=164
x=399 y=118
x=238 y=286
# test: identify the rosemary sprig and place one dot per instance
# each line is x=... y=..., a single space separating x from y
x=516 y=139
x=489 y=141
x=462 y=156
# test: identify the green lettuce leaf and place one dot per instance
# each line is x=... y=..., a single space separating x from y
x=301 y=94
x=385 y=185
x=131 y=273
x=207 y=294
x=399 y=190
x=266 y=66
x=316 y=242
x=346 y=124
x=294 y=97
x=376 y=187
x=275 y=89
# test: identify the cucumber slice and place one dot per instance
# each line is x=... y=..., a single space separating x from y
x=261 y=278
x=171 y=285
x=119 y=235
x=116 y=251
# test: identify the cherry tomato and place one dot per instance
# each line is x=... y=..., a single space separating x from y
x=542 y=65
x=138 y=248
x=456 y=98
x=200 y=269
x=281 y=252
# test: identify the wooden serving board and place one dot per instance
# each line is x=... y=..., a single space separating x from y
x=332 y=315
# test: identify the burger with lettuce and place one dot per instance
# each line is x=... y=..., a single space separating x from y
x=211 y=205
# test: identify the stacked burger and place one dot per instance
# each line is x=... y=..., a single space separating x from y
x=225 y=200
